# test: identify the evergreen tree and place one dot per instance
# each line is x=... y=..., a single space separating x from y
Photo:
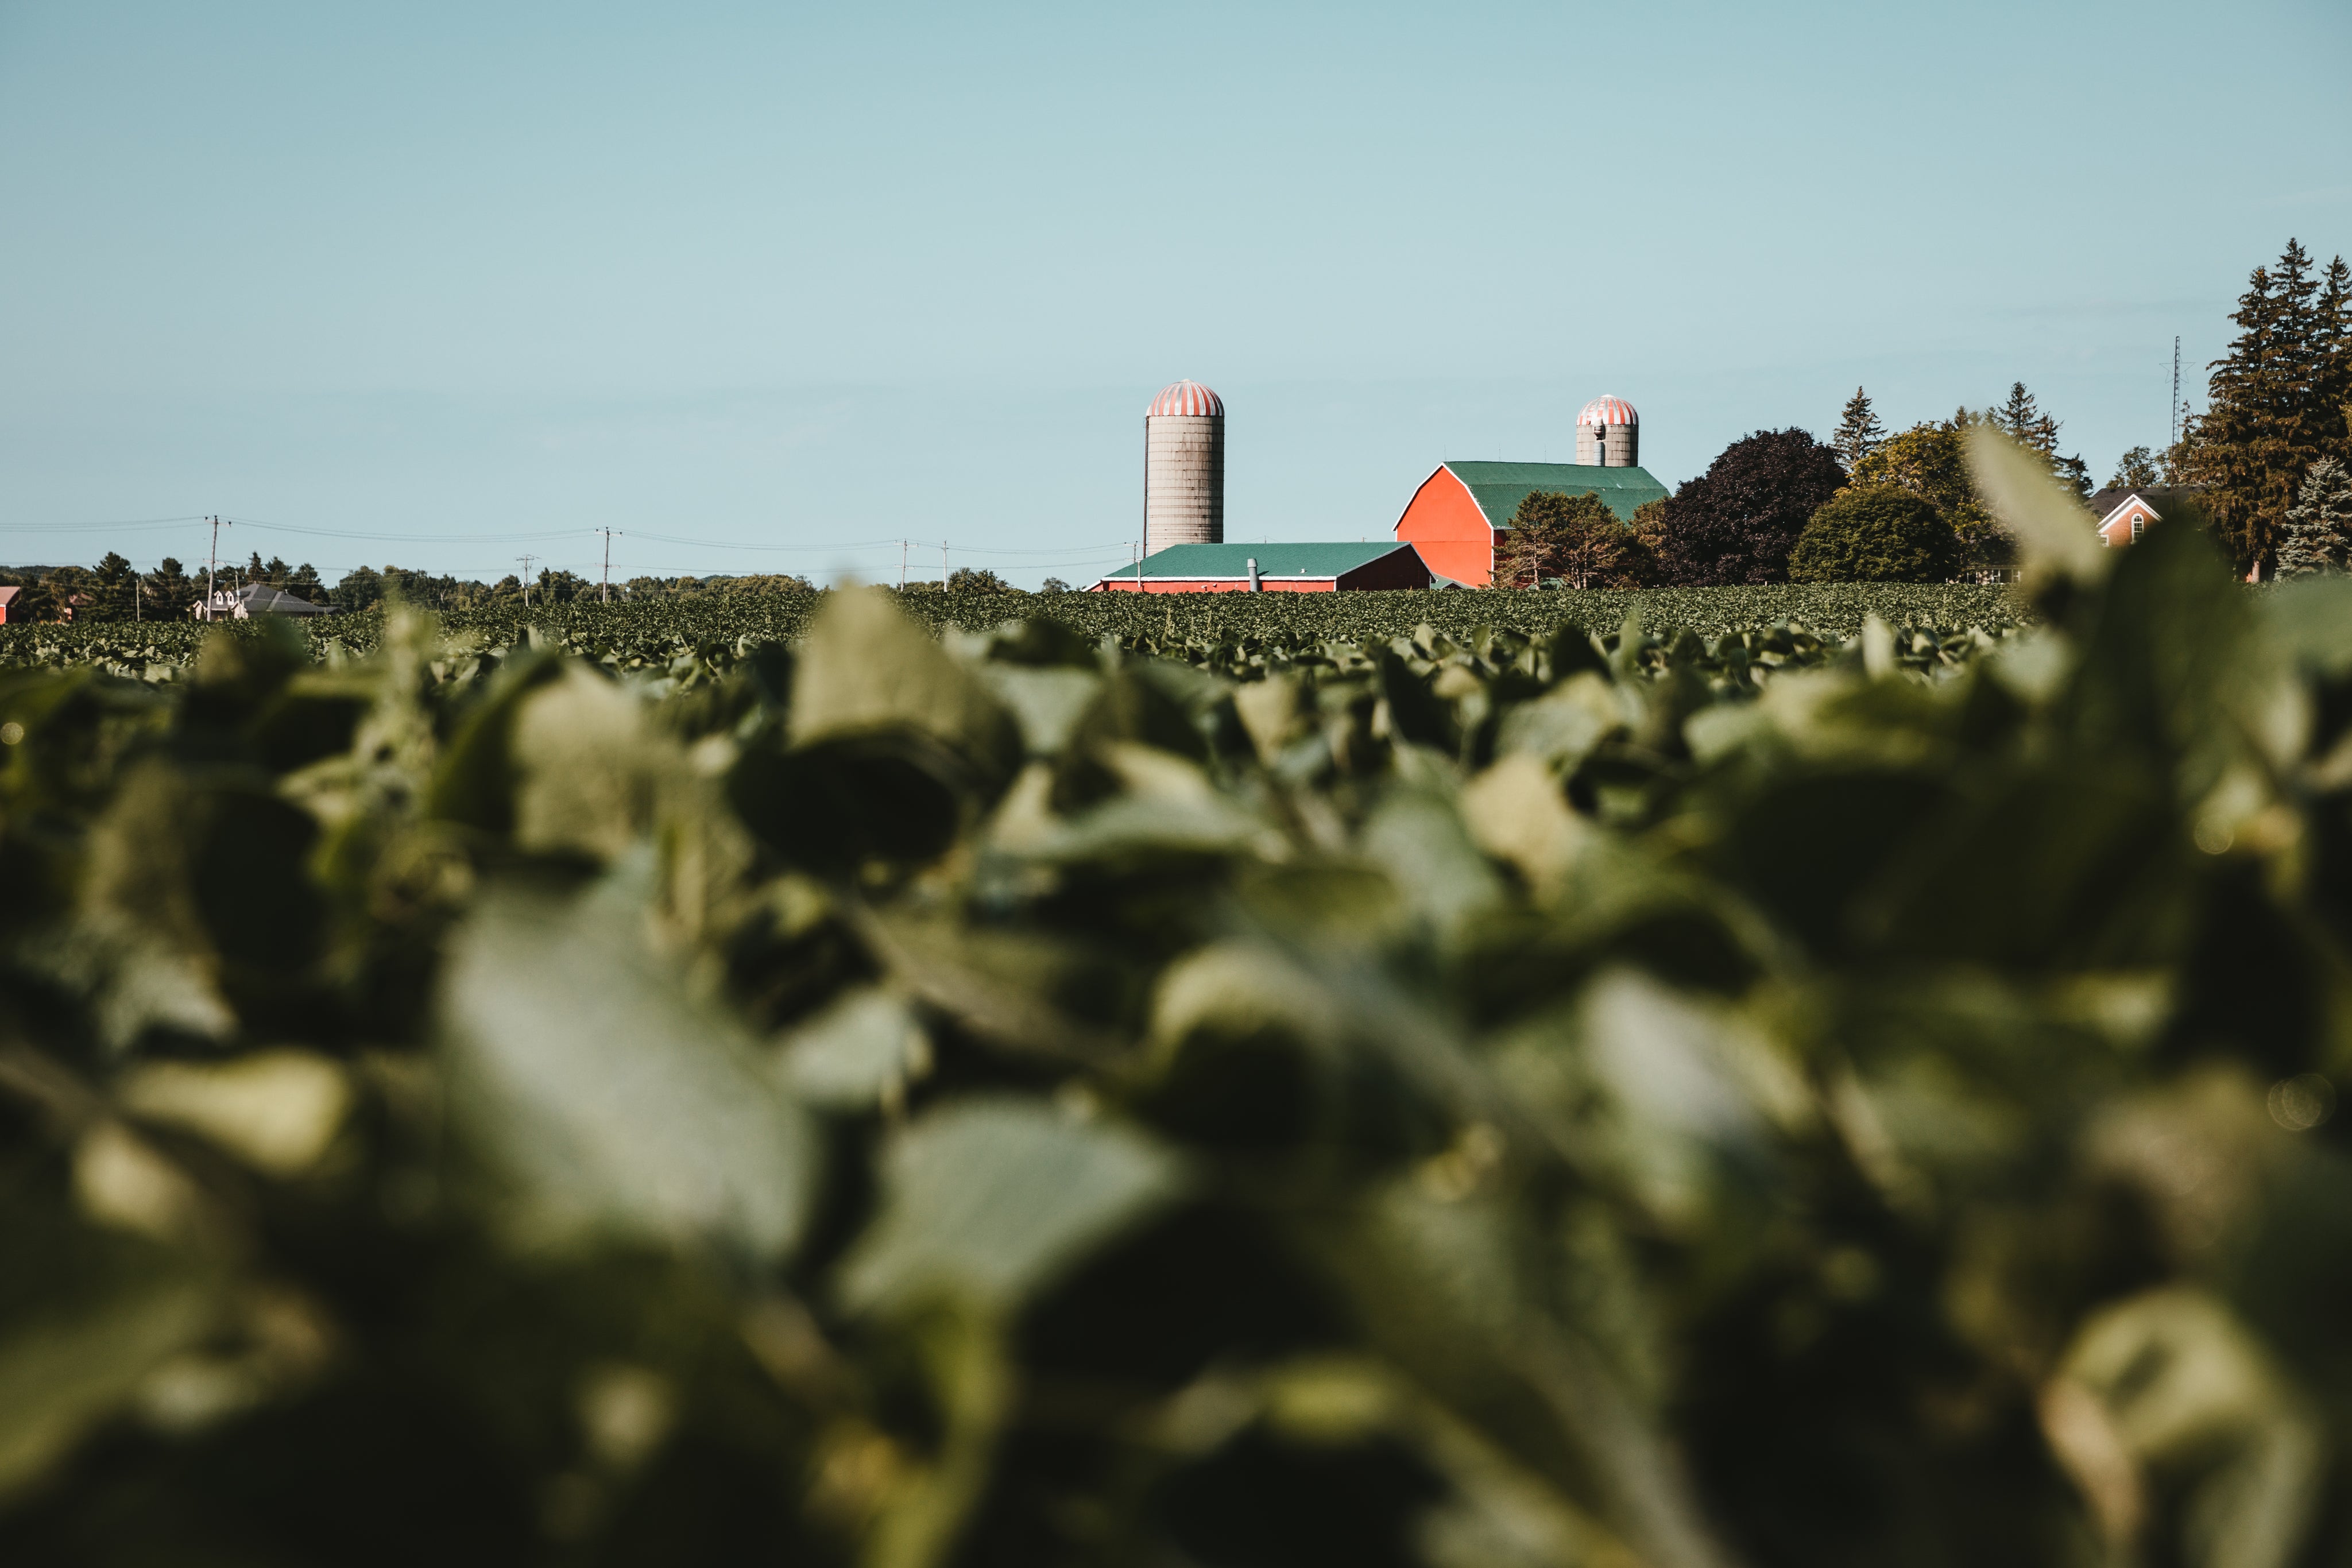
x=2333 y=330
x=169 y=592
x=110 y=591
x=2135 y=470
x=303 y=583
x=2272 y=407
x=2318 y=536
x=1859 y=433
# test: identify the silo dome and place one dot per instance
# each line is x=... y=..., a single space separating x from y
x=1186 y=398
x=1184 y=467
x=1609 y=432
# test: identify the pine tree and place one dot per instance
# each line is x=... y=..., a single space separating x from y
x=169 y=591
x=1859 y=433
x=2318 y=534
x=110 y=591
x=2333 y=333
x=2272 y=412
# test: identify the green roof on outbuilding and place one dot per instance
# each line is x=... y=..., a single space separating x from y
x=1499 y=487
x=1208 y=561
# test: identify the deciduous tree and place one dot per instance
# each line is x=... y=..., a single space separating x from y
x=1878 y=533
x=2136 y=469
x=1739 y=522
x=1931 y=462
x=1576 y=538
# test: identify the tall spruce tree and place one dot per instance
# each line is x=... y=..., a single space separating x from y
x=2318 y=536
x=1859 y=433
x=2027 y=425
x=2272 y=407
x=2333 y=331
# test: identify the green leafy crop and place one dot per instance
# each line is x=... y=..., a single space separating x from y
x=645 y=1091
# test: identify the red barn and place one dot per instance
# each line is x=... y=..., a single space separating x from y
x=1460 y=512
x=1272 y=569
x=7 y=602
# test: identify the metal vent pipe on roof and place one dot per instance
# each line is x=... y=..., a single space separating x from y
x=1252 y=574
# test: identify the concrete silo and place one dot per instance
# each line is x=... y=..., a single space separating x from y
x=1184 y=467
x=1608 y=434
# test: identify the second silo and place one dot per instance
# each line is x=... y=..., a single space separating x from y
x=1184 y=467
x=1609 y=434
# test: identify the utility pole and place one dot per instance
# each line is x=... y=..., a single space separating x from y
x=212 y=570
x=943 y=565
x=902 y=566
x=606 y=594
x=526 y=560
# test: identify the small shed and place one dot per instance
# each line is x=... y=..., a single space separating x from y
x=8 y=597
x=1272 y=569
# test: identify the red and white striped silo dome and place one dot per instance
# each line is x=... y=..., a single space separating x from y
x=1604 y=412
x=1185 y=398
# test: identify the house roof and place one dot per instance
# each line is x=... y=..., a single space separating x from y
x=2107 y=502
x=1499 y=487
x=8 y=595
x=1278 y=560
x=260 y=599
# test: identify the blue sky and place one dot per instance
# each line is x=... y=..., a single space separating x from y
x=783 y=282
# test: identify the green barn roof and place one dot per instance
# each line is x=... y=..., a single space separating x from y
x=1273 y=560
x=1499 y=487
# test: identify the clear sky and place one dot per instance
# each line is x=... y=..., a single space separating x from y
x=449 y=283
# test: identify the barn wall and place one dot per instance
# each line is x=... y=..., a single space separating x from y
x=1398 y=568
x=1444 y=523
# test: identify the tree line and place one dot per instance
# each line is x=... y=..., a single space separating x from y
x=2268 y=464
x=115 y=590
x=1781 y=506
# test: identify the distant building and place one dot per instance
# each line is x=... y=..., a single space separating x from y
x=1461 y=511
x=1271 y=569
x=8 y=597
x=259 y=598
x=2124 y=512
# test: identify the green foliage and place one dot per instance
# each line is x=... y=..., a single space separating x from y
x=2277 y=401
x=1859 y=433
x=1527 y=1098
x=1575 y=539
x=1931 y=462
x=2135 y=470
x=2319 y=525
x=706 y=631
x=1880 y=533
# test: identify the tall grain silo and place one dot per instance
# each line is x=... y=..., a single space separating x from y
x=1609 y=434
x=1184 y=467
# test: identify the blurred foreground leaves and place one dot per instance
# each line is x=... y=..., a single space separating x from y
x=1485 y=1099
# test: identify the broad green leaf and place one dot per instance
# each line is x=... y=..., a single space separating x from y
x=984 y=1202
x=611 y=1101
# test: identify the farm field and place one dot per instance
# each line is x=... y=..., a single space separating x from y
x=888 y=1098
x=658 y=630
